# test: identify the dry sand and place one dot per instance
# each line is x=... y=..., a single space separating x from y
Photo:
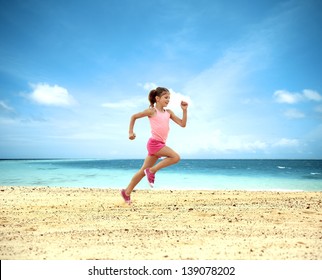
x=68 y=223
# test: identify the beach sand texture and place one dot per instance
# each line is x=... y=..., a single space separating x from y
x=68 y=223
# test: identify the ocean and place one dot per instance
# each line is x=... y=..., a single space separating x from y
x=188 y=174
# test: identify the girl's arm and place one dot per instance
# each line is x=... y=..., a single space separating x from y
x=145 y=113
x=182 y=122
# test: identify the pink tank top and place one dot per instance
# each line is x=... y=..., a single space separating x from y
x=160 y=125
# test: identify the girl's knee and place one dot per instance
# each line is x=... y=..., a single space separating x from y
x=176 y=158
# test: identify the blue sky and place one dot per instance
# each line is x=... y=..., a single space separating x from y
x=73 y=72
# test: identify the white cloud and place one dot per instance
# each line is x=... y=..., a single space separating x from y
x=176 y=98
x=236 y=143
x=284 y=96
x=45 y=94
x=195 y=140
x=148 y=86
x=285 y=142
x=127 y=103
x=5 y=107
x=294 y=114
x=240 y=143
x=312 y=95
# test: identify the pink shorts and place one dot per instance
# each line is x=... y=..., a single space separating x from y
x=154 y=146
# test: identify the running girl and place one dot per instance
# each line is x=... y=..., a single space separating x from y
x=159 y=118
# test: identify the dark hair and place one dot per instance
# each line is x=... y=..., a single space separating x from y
x=159 y=91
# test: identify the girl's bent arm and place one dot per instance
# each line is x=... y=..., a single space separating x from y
x=182 y=122
x=145 y=113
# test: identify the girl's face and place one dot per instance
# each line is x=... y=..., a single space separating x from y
x=164 y=99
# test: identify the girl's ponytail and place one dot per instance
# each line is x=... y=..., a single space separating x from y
x=152 y=95
x=159 y=91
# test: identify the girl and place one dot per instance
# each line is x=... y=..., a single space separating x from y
x=159 y=120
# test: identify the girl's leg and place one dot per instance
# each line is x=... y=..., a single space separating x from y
x=171 y=158
x=148 y=163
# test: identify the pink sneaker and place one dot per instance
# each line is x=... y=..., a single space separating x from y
x=150 y=177
x=126 y=198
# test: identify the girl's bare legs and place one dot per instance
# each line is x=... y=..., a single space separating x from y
x=171 y=158
x=148 y=163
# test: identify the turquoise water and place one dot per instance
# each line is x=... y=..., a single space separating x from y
x=287 y=175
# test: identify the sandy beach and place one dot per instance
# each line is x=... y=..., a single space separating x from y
x=67 y=223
